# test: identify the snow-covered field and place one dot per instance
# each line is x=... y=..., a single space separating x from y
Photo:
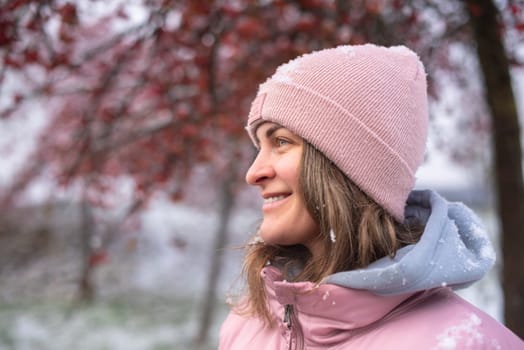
x=137 y=324
x=149 y=297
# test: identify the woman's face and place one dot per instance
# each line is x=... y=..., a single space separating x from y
x=275 y=171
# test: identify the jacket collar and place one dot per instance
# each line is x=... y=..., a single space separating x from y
x=324 y=310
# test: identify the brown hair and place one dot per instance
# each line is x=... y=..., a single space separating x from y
x=364 y=232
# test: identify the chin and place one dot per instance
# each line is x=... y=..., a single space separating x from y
x=274 y=238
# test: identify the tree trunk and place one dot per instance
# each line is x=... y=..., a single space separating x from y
x=485 y=19
x=226 y=202
x=85 y=287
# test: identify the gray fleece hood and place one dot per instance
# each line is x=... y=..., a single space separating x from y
x=454 y=251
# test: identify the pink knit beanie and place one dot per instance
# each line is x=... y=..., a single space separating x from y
x=364 y=107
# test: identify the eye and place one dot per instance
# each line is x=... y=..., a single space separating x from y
x=282 y=141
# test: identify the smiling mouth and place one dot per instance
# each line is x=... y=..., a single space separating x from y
x=274 y=199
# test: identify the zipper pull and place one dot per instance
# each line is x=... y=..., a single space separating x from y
x=287 y=315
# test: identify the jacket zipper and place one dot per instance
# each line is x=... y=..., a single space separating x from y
x=288 y=310
x=287 y=315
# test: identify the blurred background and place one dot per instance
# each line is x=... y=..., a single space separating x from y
x=122 y=152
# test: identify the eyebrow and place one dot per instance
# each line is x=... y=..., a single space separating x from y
x=269 y=132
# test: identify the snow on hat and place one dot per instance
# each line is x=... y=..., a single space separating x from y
x=364 y=107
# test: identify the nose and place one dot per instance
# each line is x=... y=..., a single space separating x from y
x=260 y=170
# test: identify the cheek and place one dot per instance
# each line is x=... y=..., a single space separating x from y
x=289 y=171
x=309 y=225
x=305 y=228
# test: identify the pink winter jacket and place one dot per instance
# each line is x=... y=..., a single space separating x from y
x=328 y=316
x=398 y=302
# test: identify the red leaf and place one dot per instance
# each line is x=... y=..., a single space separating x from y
x=68 y=14
x=18 y=98
x=98 y=258
x=311 y=4
x=182 y=111
x=177 y=196
x=374 y=7
x=121 y=13
x=5 y=39
x=46 y=88
x=189 y=131
x=31 y=55
x=306 y=24
x=65 y=34
x=515 y=9
x=397 y=4
x=14 y=4
x=520 y=26
x=475 y=10
x=12 y=62
x=249 y=27
x=413 y=18
x=230 y=10
x=33 y=25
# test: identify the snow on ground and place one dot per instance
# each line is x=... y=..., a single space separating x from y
x=114 y=325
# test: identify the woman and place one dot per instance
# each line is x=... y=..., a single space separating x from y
x=347 y=256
